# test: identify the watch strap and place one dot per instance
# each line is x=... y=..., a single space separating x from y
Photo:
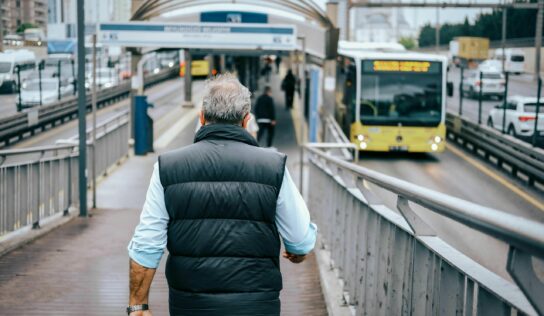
x=135 y=308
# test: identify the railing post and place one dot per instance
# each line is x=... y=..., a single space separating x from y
x=69 y=201
x=504 y=102
x=59 y=79
x=20 y=103
x=480 y=98
x=537 y=112
x=461 y=92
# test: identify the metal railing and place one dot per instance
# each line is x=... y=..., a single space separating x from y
x=489 y=143
x=36 y=183
x=21 y=125
x=332 y=133
x=392 y=263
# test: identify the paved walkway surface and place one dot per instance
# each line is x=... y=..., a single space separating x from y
x=82 y=267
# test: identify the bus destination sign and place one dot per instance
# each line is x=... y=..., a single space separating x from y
x=401 y=66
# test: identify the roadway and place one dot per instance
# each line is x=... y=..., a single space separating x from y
x=517 y=85
x=458 y=174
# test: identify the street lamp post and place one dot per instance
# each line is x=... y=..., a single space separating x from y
x=82 y=109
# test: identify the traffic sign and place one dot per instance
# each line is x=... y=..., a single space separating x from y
x=199 y=35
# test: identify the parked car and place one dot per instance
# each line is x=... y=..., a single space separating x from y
x=105 y=78
x=492 y=83
x=13 y=40
x=10 y=60
x=520 y=116
x=30 y=92
x=514 y=59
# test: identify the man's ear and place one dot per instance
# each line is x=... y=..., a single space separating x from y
x=202 y=119
x=245 y=121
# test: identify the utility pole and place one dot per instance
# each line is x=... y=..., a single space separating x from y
x=437 y=30
x=503 y=40
x=1 y=34
x=538 y=38
x=82 y=109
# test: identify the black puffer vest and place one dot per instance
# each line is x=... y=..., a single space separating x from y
x=221 y=194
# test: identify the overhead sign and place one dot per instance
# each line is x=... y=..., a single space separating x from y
x=199 y=35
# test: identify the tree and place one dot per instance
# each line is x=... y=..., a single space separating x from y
x=408 y=42
x=24 y=26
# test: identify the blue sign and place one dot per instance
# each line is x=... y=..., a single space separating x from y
x=233 y=17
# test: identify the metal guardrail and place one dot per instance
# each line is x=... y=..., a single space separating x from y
x=505 y=150
x=39 y=182
x=332 y=133
x=22 y=125
x=392 y=263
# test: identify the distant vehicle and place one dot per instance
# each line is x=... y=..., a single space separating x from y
x=30 y=92
x=491 y=65
x=36 y=35
x=10 y=60
x=105 y=78
x=200 y=66
x=13 y=40
x=467 y=52
x=391 y=100
x=492 y=84
x=520 y=116
x=514 y=60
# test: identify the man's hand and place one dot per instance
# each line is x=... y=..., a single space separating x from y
x=294 y=258
x=141 y=313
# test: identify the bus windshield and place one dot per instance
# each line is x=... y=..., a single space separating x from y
x=408 y=93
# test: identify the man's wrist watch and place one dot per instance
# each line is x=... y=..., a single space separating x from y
x=136 y=308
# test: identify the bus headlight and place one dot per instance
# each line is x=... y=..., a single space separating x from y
x=363 y=145
x=361 y=137
x=437 y=139
x=434 y=147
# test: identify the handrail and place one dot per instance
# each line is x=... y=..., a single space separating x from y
x=520 y=232
x=32 y=150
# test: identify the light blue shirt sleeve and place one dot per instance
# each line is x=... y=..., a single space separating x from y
x=293 y=219
x=149 y=240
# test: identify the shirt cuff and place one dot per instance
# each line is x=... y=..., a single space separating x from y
x=149 y=260
x=305 y=246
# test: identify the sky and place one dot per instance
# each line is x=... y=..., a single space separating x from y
x=419 y=17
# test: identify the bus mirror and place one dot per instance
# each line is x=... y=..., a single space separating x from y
x=449 y=88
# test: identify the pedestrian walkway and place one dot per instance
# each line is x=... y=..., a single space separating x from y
x=81 y=268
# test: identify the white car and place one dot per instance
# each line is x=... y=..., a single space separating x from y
x=492 y=82
x=105 y=78
x=30 y=92
x=520 y=116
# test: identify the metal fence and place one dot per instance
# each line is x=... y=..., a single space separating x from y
x=392 y=263
x=37 y=183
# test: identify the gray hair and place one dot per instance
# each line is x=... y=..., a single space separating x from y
x=226 y=100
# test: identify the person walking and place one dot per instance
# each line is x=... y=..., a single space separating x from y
x=219 y=206
x=265 y=113
x=278 y=63
x=288 y=86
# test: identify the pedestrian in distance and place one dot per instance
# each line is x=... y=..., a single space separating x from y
x=278 y=63
x=221 y=206
x=288 y=86
x=265 y=112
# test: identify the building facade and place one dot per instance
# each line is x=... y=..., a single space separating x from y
x=14 y=13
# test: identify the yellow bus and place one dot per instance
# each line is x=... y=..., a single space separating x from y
x=200 y=66
x=388 y=99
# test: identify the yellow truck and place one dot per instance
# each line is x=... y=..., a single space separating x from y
x=468 y=51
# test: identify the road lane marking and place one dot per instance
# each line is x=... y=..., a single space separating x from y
x=169 y=135
x=496 y=177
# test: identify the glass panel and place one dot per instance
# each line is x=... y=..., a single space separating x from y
x=5 y=68
x=531 y=108
x=35 y=86
x=518 y=58
x=411 y=97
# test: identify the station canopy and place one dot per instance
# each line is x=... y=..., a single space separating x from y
x=309 y=19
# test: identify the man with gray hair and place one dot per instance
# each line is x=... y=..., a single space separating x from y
x=220 y=206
